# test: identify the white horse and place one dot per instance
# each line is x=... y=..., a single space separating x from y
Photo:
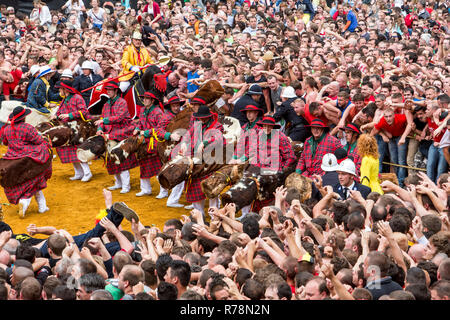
x=34 y=118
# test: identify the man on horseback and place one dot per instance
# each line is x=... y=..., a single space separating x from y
x=194 y=143
x=115 y=126
x=23 y=141
x=172 y=107
x=134 y=57
x=72 y=108
x=148 y=122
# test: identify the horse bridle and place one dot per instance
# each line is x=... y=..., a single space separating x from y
x=228 y=179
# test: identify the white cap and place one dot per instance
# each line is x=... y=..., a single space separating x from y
x=87 y=65
x=329 y=162
x=34 y=69
x=137 y=35
x=347 y=166
x=67 y=73
x=288 y=92
x=45 y=70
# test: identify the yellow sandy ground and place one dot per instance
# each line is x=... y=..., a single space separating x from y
x=74 y=204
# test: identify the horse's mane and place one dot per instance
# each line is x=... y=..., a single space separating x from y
x=147 y=78
x=185 y=113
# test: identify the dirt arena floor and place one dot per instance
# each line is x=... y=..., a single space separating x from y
x=75 y=204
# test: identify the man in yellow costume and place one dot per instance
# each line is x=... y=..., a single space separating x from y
x=134 y=57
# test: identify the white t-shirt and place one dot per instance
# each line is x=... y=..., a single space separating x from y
x=44 y=16
x=97 y=18
x=445 y=140
x=398 y=3
x=76 y=7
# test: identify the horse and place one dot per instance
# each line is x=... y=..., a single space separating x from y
x=67 y=133
x=256 y=184
x=230 y=174
x=34 y=118
x=133 y=144
x=153 y=80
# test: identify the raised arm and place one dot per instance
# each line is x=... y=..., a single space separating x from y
x=124 y=243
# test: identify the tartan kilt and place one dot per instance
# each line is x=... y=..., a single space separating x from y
x=194 y=190
x=149 y=166
x=67 y=154
x=28 y=189
x=130 y=163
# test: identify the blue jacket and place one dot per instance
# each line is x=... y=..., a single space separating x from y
x=39 y=96
x=357 y=187
x=308 y=8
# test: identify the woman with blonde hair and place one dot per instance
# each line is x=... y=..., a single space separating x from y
x=41 y=13
x=368 y=150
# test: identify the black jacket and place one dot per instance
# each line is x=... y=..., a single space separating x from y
x=83 y=82
x=297 y=130
x=364 y=190
x=382 y=287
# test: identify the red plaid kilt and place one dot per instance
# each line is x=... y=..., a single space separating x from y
x=194 y=190
x=28 y=189
x=67 y=154
x=149 y=166
x=130 y=163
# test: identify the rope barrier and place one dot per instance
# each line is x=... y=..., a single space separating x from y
x=403 y=166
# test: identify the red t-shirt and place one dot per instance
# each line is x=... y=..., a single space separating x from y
x=309 y=117
x=397 y=128
x=369 y=99
x=433 y=126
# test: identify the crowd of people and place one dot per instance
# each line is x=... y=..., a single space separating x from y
x=364 y=85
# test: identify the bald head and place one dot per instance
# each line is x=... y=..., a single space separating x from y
x=5 y=257
x=19 y=274
x=417 y=252
x=333 y=88
x=11 y=246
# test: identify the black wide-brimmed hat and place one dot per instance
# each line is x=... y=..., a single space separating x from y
x=149 y=95
x=19 y=113
x=352 y=127
x=317 y=123
x=198 y=100
x=268 y=121
x=255 y=89
x=203 y=112
x=174 y=99
x=66 y=84
x=251 y=107
x=112 y=85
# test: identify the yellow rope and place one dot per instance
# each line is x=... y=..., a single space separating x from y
x=106 y=157
x=153 y=137
x=82 y=117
